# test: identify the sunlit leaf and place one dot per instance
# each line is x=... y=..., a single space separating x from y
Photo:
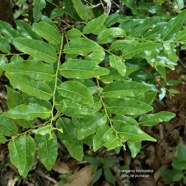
x=89 y=124
x=38 y=49
x=48 y=32
x=82 y=69
x=153 y=119
x=75 y=91
x=28 y=112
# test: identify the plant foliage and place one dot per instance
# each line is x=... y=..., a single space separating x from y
x=88 y=85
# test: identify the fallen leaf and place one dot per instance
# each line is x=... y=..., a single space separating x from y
x=83 y=177
x=61 y=167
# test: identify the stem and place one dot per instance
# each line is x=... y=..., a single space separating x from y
x=107 y=115
x=55 y=84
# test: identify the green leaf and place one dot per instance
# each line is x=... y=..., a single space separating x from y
x=14 y=98
x=153 y=119
x=117 y=63
x=85 y=47
x=4 y=45
x=44 y=130
x=180 y=4
x=69 y=138
x=179 y=162
x=84 y=12
x=26 y=84
x=37 y=49
x=120 y=89
x=105 y=136
x=70 y=108
x=74 y=33
x=7 y=31
x=134 y=49
x=47 y=149
x=22 y=153
x=38 y=6
x=7 y=127
x=75 y=91
x=173 y=26
x=109 y=176
x=123 y=120
x=56 y=12
x=108 y=35
x=47 y=31
x=134 y=147
x=134 y=133
x=94 y=25
x=28 y=112
x=89 y=124
x=129 y=106
x=3 y=61
x=25 y=30
x=35 y=69
x=82 y=69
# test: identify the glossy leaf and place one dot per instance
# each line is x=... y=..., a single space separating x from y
x=129 y=106
x=117 y=63
x=26 y=84
x=173 y=26
x=47 y=31
x=89 y=124
x=108 y=35
x=75 y=91
x=85 y=47
x=132 y=50
x=130 y=4
x=7 y=127
x=25 y=30
x=120 y=89
x=153 y=119
x=47 y=149
x=82 y=69
x=28 y=112
x=38 y=49
x=134 y=133
x=105 y=136
x=22 y=153
x=4 y=45
x=94 y=25
x=134 y=147
x=69 y=138
x=7 y=31
x=84 y=12
x=35 y=69
x=70 y=108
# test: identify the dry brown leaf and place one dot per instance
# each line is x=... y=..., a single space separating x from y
x=81 y=178
x=61 y=167
x=12 y=182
